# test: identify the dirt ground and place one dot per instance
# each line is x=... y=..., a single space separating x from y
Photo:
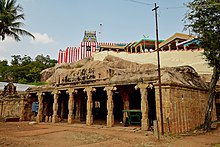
x=23 y=134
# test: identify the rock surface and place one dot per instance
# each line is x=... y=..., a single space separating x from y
x=114 y=69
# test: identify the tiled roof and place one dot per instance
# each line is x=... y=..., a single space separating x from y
x=176 y=36
x=19 y=87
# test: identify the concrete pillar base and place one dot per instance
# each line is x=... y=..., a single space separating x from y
x=50 y=119
x=54 y=119
x=46 y=118
x=89 y=120
x=144 y=125
x=70 y=119
x=110 y=121
x=39 y=118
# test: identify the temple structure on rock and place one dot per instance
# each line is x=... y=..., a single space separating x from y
x=113 y=83
x=110 y=83
x=93 y=92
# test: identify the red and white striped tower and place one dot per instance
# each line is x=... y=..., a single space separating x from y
x=87 y=47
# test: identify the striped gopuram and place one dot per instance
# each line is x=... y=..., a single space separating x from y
x=88 y=46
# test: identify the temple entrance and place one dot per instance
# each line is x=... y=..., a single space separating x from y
x=132 y=112
x=80 y=106
x=135 y=99
x=99 y=110
x=118 y=107
x=63 y=106
x=151 y=105
x=34 y=106
x=47 y=106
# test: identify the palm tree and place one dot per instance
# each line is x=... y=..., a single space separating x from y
x=10 y=14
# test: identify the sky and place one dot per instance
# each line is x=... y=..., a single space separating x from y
x=58 y=24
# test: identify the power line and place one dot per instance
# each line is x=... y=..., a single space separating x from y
x=174 y=7
x=167 y=8
x=181 y=7
x=139 y=2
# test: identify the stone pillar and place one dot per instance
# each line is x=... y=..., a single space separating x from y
x=22 y=108
x=177 y=47
x=169 y=47
x=55 y=106
x=142 y=49
x=89 y=116
x=40 y=107
x=110 y=106
x=144 y=107
x=126 y=104
x=78 y=104
x=45 y=112
x=62 y=109
x=71 y=106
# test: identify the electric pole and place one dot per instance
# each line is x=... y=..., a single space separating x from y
x=159 y=75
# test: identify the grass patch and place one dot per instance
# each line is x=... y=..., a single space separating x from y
x=38 y=83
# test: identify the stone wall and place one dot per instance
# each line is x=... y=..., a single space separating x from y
x=10 y=107
x=183 y=108
x=18 y=106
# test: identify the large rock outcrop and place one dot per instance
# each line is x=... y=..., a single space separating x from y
x=116 y=70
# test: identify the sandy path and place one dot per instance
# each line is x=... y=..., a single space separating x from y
x=21 y=134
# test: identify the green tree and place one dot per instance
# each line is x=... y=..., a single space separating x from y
x=3 y=69
x=16 y=60
x=45 y=62
x=26 y=60
x=3 y=63
x=10 y=16
x=34 y=74
x=23 y=69
x=203 y=20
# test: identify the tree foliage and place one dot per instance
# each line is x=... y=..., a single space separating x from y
x=24 y=69
x=10 y=16
x=203 y=20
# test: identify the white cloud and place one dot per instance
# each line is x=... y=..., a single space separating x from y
x=8 y=42
x=2 y=58
x=41 y=38
x=5 y=46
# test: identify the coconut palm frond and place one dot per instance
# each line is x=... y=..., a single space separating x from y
x=10 y=16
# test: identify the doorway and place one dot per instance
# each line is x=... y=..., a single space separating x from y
x=118 y=107
x=99 y=110
x=151 y=105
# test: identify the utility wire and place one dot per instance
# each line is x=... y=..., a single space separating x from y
x=179 y=7
x=168 y=8
x=139 y=2
x=148 y=4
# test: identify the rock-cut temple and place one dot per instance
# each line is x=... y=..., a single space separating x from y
x=110 y=84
